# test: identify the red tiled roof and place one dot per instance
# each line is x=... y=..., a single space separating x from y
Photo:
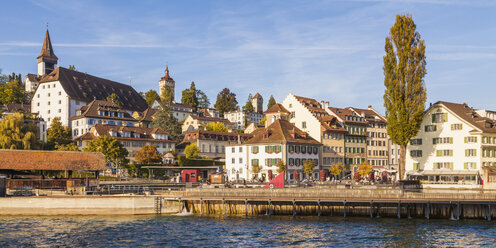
x=277 y=108
x=282 y=131
x=93 y=108
x=51 y=160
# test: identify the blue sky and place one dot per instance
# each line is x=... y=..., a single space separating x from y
x=330 y=50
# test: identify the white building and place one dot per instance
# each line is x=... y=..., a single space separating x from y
x=278 y=141
x=455 y=145
x=167 y=80
x=241 y=118
x=62 y=91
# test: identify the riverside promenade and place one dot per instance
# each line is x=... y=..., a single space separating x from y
x=338 y=202
x=315 y=201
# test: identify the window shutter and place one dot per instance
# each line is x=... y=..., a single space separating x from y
x=475 y=152
x=466 y=153
x=465 y=165
x=451 y=165
x=433 y=141
x=445 y=117
x=438 y=153
x=475 y=139
x=434 y=166
x=266 y=149
x=425 y=128
x=465 y=139
x=433 y=118
x=451 y=140
x=451 y=152
x=435 y=128
x=475 y=166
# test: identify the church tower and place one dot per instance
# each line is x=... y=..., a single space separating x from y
x=167 y=80
x=257 y=102
x=47 y=61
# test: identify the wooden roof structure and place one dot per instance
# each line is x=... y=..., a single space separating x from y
x=51 y=160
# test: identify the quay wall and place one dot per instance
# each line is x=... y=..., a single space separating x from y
x=83 y=205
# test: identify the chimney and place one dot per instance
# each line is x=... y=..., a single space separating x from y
x=370 y=106
x=322 y=104
x=326 y=105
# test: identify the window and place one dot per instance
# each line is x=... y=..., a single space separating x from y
x=457 y=126
x=416 y=153
x=445 y=140
x=303 y=124
x=254 y=149
x=472 y=139
x=38 y=104
x=470 y=152
x=416 y=142
x=443 y=165
x=439 y=117
x=240 y=160
x=233 y=150
x=48 y=94
x=49 y=113
x=60 y=110
x=48 y=102
x=38 y=95
x=240 y=149
x=254 y=162
x=293 y=114
x=444 y=153
x=430 y=128
x=60 y=93
x=470 y=165
x=233 y=160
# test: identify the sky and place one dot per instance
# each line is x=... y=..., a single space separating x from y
x=327 y=50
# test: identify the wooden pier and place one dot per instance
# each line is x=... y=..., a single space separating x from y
x=326 y=202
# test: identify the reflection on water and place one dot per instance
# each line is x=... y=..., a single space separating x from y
x=273 y=231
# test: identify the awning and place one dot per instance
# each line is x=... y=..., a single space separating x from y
x=443 y=173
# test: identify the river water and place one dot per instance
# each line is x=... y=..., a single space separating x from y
x=265 y=231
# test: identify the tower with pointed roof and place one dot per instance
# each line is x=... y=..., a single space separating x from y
x=47 y=61
x=167 y=80
x=257 y=102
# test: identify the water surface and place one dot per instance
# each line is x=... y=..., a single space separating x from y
x=265 y=231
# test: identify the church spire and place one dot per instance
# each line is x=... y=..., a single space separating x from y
x=47 y=60
x=47 y=49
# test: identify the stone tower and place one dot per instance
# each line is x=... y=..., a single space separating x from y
x=47 y=59
x=167 y=80
x=257 y=102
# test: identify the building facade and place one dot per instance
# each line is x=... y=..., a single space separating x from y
x=211 y=144
x=241 y=118
x=194 y=122
x=455 y=145
x=280 y=140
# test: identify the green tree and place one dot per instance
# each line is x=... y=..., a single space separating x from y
x=336 y=169
x=189 y=96
x=203 y=101
x=191 y=151
x=364 y=169
x=166 y=94
x=67 y=147
x=148 y=154
x=281 y=167
x=165 y=120
x=309 y=167
x=226 y=101
x=13 y=90
x=262 y=121
x=57 y=134
x=271 y=102
x=405 y=94
x=255 y=168
x=72 y=67
x=115 y=99
x=3 y=78
x=113 y=150
x=151 y=96
x=216 y=127
x=16 y=133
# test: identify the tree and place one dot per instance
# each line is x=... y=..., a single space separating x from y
x=336 y=169
x=12 y=91
x=148 y=155
x=248 y=107
x=309 y=167
x=191 y=151
x=226 y=101
x=113 y=150
x=68 y=147
x=216 y=127
x=72 y=67
x=165 y=120
x=203 y=101
x=364 y=169
x=166 y=94
x=405 y=94
x=281 y=167
x=271 y=102
x=16 y=133
x=151 y=96
x=189 y=96
x=262 y=121
x=3 y=78
x=115 y=99
x=57 y=134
